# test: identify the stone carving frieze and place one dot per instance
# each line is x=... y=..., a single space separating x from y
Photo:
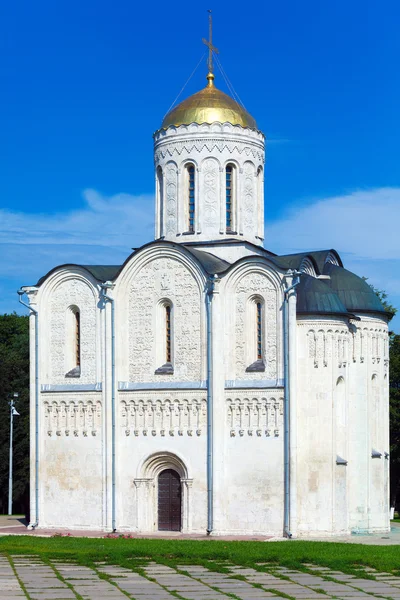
x=355 y=343
x=76 y=417
x=163 y=417
x=176 y=148
x=255 y=416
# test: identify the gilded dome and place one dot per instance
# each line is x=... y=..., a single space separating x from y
x=207 y=106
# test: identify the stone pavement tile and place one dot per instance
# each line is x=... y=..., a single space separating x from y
x=225 y=583
x=136 y=585
x=185 y=586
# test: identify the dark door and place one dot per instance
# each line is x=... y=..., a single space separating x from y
x=169 y=501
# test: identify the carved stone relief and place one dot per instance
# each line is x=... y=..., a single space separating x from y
x=171 y=184
x=250 y=284
x=358 y=342
x=72 y=417
x=248 y=210
x=164 y=417
x=72 y=292
x=164 y=278
x=258 y=416
x=210 y=205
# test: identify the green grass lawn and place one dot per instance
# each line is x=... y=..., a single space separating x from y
x=130 y=552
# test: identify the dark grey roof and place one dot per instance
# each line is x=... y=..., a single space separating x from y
x=99 y=272
x=315 y=297
x=211 y=263
x=317 y=257
x=344 y=293
x=353 y=291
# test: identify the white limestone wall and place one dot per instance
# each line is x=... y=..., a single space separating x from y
x=71 y=411
x=252 y=478
x=248 y=407
x=71 y=471
x=369 y=431
x=340 y=414
x=323 y=421
x=209 y=148
x=159 y=430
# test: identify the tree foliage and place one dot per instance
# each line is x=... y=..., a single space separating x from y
x=14 y=377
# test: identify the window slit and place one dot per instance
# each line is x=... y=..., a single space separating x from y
x=228 y=191
x=191 y=196
x=78 y=339
x=168 y=334
x=259 y=331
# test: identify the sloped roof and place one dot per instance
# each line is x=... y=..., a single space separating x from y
x=353 y=291
x=343 y=293
x=314 y=296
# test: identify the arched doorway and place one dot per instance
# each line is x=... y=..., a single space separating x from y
x=169 y=501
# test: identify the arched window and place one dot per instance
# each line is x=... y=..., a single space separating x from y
x=256 y=335
x=191 y=191
x=164 y=341
x=159 y=200
x=229 y=196
x=259 y=316
x=78 y=338
x=168 y=334
x=73 y=342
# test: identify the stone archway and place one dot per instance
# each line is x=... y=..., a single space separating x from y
x=146 y=485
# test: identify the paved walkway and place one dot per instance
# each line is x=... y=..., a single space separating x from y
x=30 y=577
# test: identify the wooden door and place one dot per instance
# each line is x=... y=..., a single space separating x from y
x=169 y=501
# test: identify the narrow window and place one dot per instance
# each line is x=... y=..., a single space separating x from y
x=168 y=334
x=78 y=339
x=191 y=197
x=229 y=196
x=73 y=342
x=160 y=201
x=259 y=331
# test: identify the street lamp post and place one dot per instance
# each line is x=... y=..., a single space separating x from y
x=13 y=413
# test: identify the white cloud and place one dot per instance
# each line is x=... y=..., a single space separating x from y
x=120 y=221
x=363 y=223
x=362 y=226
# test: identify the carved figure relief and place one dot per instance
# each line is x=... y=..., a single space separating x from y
x=261 y=416
x=72 y=292
x=249 y=199
x=171 y=183
x=167 y=417
x=210 y=203
x=160 y=278
x=72 y=417
x=250 y=284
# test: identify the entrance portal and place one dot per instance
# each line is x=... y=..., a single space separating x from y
x=169 y=501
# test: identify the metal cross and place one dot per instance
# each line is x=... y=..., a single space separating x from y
x=209 y=44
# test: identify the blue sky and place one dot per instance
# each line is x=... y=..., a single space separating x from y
x=85 y=84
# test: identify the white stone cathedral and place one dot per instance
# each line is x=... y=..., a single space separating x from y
x=207 y=384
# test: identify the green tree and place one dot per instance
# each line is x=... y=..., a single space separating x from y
x=14 y=377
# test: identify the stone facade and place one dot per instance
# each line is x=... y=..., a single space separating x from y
x=177 y=363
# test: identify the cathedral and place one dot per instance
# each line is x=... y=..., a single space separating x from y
x=208 y=385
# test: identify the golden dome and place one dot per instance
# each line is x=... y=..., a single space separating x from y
x=207 y=106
